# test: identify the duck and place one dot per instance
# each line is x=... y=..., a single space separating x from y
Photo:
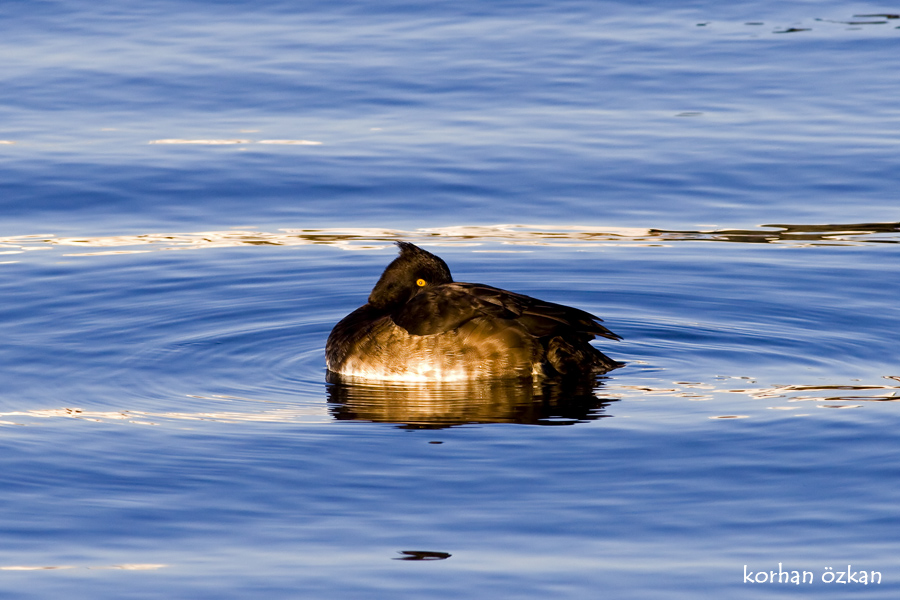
x=419 y=325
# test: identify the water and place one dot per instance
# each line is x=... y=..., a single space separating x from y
x=717 y=182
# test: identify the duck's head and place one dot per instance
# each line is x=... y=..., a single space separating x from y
x=410 y=273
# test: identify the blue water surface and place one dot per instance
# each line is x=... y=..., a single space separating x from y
x=193 y=193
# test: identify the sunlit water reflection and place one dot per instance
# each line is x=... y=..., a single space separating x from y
x=194 y=193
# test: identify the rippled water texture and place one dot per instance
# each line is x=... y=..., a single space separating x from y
x=455 y=114
x=193 y=193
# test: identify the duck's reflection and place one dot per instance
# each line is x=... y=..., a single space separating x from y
x=438 y=405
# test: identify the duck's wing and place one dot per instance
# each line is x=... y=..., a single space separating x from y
x=542 y=317
x=442 y=308
x=448 y=306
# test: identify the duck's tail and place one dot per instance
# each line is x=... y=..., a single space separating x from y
x=573 y=359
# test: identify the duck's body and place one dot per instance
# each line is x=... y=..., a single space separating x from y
x=420 y=325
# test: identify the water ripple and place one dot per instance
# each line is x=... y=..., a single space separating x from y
x=800 y=235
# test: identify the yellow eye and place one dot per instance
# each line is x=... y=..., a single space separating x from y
x=420 y=282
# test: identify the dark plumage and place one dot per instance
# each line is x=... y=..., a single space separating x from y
x=420 y=325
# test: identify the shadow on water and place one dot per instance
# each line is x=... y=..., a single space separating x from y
x=440 y=405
